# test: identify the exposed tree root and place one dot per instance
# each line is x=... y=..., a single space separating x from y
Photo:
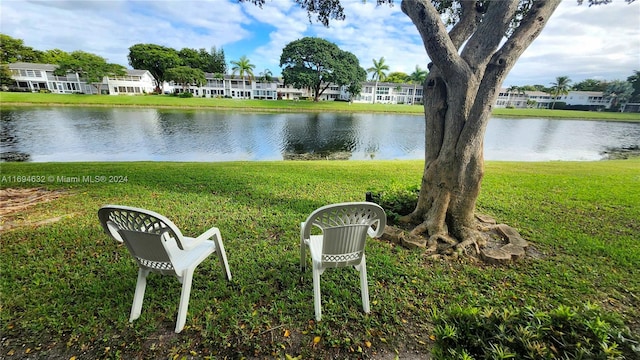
x=489 y=242
x=13 y=201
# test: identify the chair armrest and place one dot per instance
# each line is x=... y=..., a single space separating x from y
x=379 y=230
x=194 y=242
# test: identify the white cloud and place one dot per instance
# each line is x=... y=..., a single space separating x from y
x=600 y=42
x=579 y=41
x=289 y=23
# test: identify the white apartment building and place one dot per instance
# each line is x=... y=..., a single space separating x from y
x=37 y=77
x=135 y=82
x=593 y=100
x=229 y=86
x=236 y=88
x=389 y=93
x=40 y=77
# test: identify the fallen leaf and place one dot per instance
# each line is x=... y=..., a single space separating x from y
x=367 y=344
x=316 y=340
x=286 y=333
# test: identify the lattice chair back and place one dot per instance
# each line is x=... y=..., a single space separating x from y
x=345 y=227
x=150 y=237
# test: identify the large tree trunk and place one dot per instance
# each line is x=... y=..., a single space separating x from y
x=459 y=93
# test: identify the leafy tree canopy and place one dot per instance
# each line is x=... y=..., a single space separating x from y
x=13 y=50
x=316 y=63
x=398 y=77
x=619 y=92
x=54 y=56
x=590 y=85
x=213 y=62
x=156 y=59
x=185 y=75
x=5 y=76
x=634 y=80
x=92 y=68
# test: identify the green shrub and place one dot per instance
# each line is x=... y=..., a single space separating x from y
x=526 y=333
x=185 y=95
x=396 y=201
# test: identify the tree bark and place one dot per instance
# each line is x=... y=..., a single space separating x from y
x=458 y=95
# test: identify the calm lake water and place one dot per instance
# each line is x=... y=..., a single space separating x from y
x=98 y=134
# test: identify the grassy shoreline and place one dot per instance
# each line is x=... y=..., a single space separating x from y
x=66 y=288
x=164 y=101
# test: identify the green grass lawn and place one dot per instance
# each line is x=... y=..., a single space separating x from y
x=66 y=287
x=280 y=105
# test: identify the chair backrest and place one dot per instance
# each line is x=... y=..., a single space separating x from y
x=150 y=237
x=344 y=228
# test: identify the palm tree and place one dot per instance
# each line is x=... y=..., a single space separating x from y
x=266 y=75
x=417 y=77
x=378 y=73
x=378 y=69
x=511 y=90
x=560 y=87
x=242 y=66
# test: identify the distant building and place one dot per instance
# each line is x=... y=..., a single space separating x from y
x=39 y=77
x=582 y=100
x=389 y=93
x=586 y=100
x=135 y=82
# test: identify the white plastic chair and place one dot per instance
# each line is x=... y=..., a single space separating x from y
x=344 y=227
x=158 y=246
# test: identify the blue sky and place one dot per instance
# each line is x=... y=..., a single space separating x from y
x=579 y=41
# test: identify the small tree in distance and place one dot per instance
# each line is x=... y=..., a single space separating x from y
x=243 y=66
x=90 y=67
x=560 y=87
x=185 y=76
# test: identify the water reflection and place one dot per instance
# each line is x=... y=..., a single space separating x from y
x=99 y=134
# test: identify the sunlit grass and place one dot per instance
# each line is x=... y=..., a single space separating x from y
x=66 y=288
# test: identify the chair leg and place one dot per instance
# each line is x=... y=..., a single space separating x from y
x=303 y=260
x=184 y=300
x=222 y=257
x=316 y=293
x=138 y=296
x=364 y=284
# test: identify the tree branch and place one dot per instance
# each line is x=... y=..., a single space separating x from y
x=439 y=46
x=491 y=31
x=530 y=27
x=503 y=61
x=469 y=20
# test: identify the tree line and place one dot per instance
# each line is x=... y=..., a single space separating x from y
x=307 y=63
x=619 y=91
x=165 y=64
